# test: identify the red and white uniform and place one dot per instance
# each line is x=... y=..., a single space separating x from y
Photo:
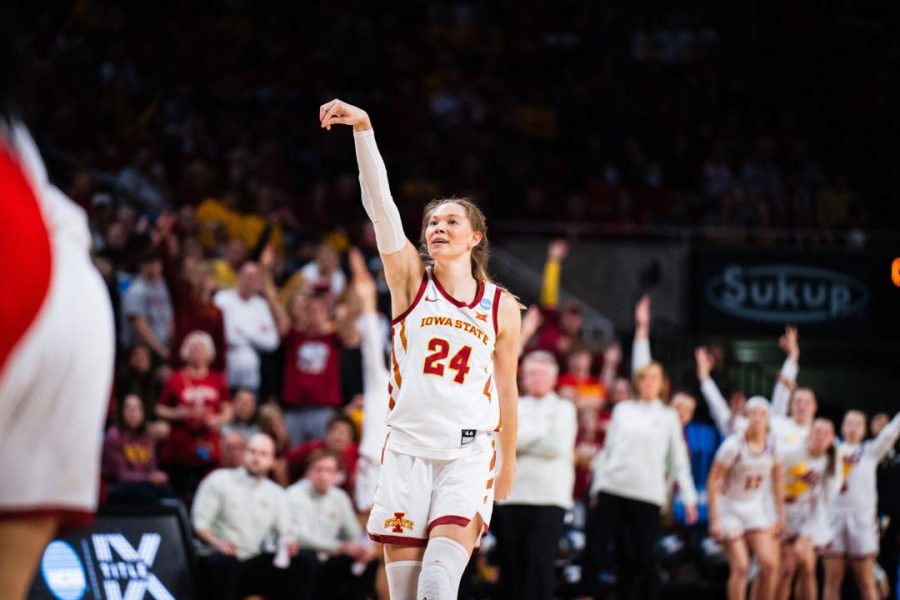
x=439 y=456
x=853 y=512
x=56 y=343
x=742 y=508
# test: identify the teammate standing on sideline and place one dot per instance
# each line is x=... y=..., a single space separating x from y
x=811 y=480
x=745 y=468
x=853 y=513
x=453 y=382
x=56 y=360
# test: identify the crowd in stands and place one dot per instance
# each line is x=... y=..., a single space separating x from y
x=223 y=223
x=281 y=419
x=626 y=115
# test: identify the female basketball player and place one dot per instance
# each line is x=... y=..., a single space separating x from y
x=453 y=382
x=746 y=468
x=853 y=514
x=811 y=480
x=57 y=341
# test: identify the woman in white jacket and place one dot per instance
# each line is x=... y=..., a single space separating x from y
x=644 y=450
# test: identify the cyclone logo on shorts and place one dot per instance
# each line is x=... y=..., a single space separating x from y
x=63 y=572
x=397 y=523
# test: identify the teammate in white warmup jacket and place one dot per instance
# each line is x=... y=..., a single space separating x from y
x=745 y=469
x=853 y=512
x=453 y=382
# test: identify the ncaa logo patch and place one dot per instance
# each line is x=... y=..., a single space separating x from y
x=485 y=303
x=63 y=571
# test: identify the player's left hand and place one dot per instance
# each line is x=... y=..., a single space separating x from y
x=503 y=485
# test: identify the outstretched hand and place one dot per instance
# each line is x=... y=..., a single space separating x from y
x=642 y=313
x=789 y=342
x=704 y=363
x=338 y=112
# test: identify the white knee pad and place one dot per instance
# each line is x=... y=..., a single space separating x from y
x=403 y=578
x=442 y=569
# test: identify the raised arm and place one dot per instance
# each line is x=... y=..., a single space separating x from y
x=403 y=267
x=718 y=407
x=270 y=292
x=556 y=252
x=787 y=377
x=886 y=438
x=506 y=361
x=640 y=350
x=375 y=372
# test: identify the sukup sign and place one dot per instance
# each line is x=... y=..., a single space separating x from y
x=786 y=293
x=742 y=292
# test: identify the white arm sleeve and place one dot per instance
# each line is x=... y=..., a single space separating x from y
x=376 y=194
x=781 y=395
x=718 y=407
x=886 y=439
x=640 y=355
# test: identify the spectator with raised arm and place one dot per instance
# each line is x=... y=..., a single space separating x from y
x=235 y=512
x=191 y=290
x=313 y=341
x=529 y=523
x=561 y=327
x=249 y=327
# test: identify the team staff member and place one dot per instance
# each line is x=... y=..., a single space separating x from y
x=529 y=524
x=453 y=382
x=643 y=452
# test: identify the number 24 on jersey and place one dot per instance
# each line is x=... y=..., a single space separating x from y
x=439 y=349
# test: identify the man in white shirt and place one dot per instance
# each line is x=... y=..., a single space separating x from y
x=249 y=327
x=324 y=523
x=529 y=524
x=237 y=512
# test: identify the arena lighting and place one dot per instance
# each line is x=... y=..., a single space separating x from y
x=895 y=271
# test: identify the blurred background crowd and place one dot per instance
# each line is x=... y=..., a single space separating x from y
x=230 y=234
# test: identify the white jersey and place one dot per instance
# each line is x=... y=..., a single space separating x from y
x=788 y=432
x=808 y=492
x=442 y=391
x=859 y=492
x=749 y=473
